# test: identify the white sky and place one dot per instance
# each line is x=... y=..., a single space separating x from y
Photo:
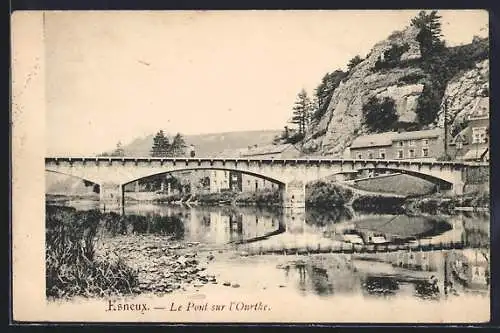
x=115 y=76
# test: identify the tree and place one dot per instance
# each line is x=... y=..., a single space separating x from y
x=380 y=116
x=429 y=103
x=429 y=36
x=178 y=145
x=119 y=151
x=302 y=112
x=161 y=145
x=324 y=91
x=353 y=62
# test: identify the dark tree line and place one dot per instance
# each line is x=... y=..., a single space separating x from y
x=162 y=147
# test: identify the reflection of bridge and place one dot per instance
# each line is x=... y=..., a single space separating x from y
x=112 y=173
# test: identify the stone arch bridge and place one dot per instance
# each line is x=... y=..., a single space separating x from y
x=112 y=173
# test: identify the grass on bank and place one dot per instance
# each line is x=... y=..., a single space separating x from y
x=73 y=267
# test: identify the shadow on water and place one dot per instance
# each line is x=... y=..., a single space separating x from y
x=328 y=279
x=327 y=216
x=248 y=224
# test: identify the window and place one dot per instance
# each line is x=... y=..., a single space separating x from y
x=411 y=143
x=459 y=145
x=479 y=135
x=425 y=142
x=360 y=156
x=370 y=155
x=381 y=154
x=400 y=143
x=425 y=152
x=400 y=153
x=411 y=153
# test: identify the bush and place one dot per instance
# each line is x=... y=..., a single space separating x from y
x=295 y=138
x=323 y=194
x=264 y=197
x=392 y=56
x=71 y=264
x=412 y=78
x=380 y=116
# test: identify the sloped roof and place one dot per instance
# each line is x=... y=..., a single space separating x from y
x=415 y=135
x=373 y=140
x=386 y=139
x=462 y=136
x=268 y=149
x=474 y=154
x=481 y=109
x=230 y=153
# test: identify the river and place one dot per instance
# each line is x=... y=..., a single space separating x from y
x=229 y=233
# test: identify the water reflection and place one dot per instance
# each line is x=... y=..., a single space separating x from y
x=217 y=225
x=337 y=275
x=230 y=224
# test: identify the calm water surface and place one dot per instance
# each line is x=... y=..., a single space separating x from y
x=318 y=275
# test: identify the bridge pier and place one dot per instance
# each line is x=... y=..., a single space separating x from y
x=457 y=188
x=294 y=194
x=111 y=198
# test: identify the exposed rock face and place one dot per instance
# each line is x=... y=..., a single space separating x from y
x=343 y=120
x=462 y=94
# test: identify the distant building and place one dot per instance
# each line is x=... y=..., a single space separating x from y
x=271 y=151
x=235 y=181
x=253 y=184
x=191 y=151
x=472 y=142
x=426 y=144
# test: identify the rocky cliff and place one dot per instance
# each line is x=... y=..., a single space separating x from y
x=462 y=94
x=391 y=69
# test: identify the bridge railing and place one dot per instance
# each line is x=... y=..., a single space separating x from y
x=56 y=159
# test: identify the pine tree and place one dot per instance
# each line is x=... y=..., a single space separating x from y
x=119 y=151
x=178 y=145
x=430 y=33
x=302 y=112
x=324 y=91
x=161 y=145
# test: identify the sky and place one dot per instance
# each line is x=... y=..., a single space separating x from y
x=116 y=76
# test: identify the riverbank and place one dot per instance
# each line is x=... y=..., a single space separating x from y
x=95 y=254
x=438 y=203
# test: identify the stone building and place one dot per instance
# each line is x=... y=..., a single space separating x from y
x=271 y=151
x=472 y=143
x=425 y=144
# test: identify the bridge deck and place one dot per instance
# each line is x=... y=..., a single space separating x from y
x=306 y=160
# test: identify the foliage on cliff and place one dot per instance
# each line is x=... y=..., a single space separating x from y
x=412 y=66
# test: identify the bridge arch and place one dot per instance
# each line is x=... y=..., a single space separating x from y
x=73 y=176
x=250 y=173
x=443 y=183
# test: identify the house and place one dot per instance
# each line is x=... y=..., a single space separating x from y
x=251 y=183
x=271 y=151
x=472 y=143
x=425 y=144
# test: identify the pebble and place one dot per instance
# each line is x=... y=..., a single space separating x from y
x=227 y=284
x=159 y=269
x=235 y=285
